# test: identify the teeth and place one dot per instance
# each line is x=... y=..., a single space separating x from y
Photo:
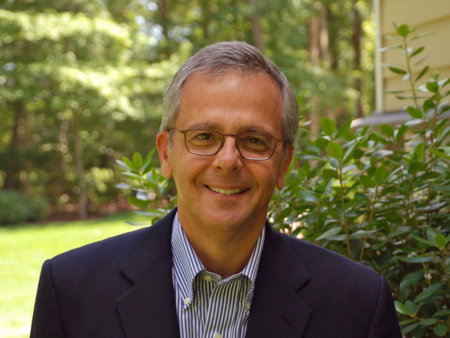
x=227 y=191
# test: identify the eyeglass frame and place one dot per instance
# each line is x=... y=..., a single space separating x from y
x=184 y=131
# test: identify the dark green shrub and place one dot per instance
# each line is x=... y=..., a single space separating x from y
x=13 y=207
x=17 y=208
x=38 y=208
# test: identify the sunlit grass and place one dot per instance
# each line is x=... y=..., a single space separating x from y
x=24 y=248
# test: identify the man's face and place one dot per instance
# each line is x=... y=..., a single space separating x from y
x=225 y=192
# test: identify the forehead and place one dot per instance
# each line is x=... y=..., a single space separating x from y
x=234 y=99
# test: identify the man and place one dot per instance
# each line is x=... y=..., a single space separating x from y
x=213 y=267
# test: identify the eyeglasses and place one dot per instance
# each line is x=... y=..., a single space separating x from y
x=251 y=146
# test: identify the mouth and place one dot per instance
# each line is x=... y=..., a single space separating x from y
x=227 y=192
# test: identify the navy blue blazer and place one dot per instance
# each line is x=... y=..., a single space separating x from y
x=122 y=287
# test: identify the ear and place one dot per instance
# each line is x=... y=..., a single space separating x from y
x=287 y=158
x=162 y=143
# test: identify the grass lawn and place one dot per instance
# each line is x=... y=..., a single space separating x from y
x=23 y=249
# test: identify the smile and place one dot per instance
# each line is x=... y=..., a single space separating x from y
x=227 y=191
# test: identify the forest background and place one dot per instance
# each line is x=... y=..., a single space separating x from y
x=81 y=82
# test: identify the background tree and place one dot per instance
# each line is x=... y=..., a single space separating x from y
x=81 y=82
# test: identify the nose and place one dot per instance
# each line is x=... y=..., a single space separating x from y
x=228 y=158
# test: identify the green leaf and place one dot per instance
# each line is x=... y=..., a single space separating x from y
x=362 y=233
x=137 y=161
x=431 y=234
x=328 y=126
x=367 y=181
x=132 y=175
x=387 y=130
x=400 y=132
x=440 y=330
x=442 y=313
x=428 y=104
x=427 y=293
x=335 y=150
x=329 y=233
x=439 y=154
x=440 y=241
x=409 y=328
x=401 y=308
x=417 y=259
x=422 y=73
x=123 y=186
x=412 y=307
x=381 y=174
x=307 y=196
x=403 y=30
x=410 y=279
x=122 y=165
x=321 y=143
x=428 y=322
x=344 y=128
x=432 y=86
x=329 y=174
x=417 y=51
x=136 y=202
x=422 y=240
x=419 y=151
x=414 y=112
x=422 y=59
x=397 y=70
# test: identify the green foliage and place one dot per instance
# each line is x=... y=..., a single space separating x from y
x=17 y=208
x=149 y=186
x=382 y=197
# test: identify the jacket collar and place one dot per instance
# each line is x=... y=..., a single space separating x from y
x=277 y=309
x=147 y=308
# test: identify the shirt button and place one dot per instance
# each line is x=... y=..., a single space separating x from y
x=248 y=306
x=187 y=301
x=217 y=335
x=207 y=278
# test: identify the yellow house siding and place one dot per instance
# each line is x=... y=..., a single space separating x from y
x=432 y=16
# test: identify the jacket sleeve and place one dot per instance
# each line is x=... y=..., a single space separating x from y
x=384 y=322
x=47 y=322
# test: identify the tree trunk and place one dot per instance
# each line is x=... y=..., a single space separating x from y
x=318 y=50
x=164 y=19
x=257 y=33
x=79 y=165
x=333 y=48
x=356 y=39
x=318 y=36
x=13 y=165
x=205 y=20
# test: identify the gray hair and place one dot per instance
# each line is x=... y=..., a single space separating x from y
x=222 y=57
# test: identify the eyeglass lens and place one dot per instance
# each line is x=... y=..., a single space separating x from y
x=250 y=146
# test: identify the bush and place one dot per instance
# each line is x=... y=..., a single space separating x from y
x=17 y=208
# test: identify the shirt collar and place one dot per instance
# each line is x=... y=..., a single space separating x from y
x=187 y=265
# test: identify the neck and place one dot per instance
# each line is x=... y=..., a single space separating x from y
x=222 y=253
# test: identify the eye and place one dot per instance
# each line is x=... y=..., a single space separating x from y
x=202 y=137
x=254 y=142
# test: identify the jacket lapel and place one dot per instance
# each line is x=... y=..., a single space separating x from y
x=147 y=308
x=277 y=309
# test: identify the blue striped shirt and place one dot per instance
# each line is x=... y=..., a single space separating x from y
x=206 y=305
